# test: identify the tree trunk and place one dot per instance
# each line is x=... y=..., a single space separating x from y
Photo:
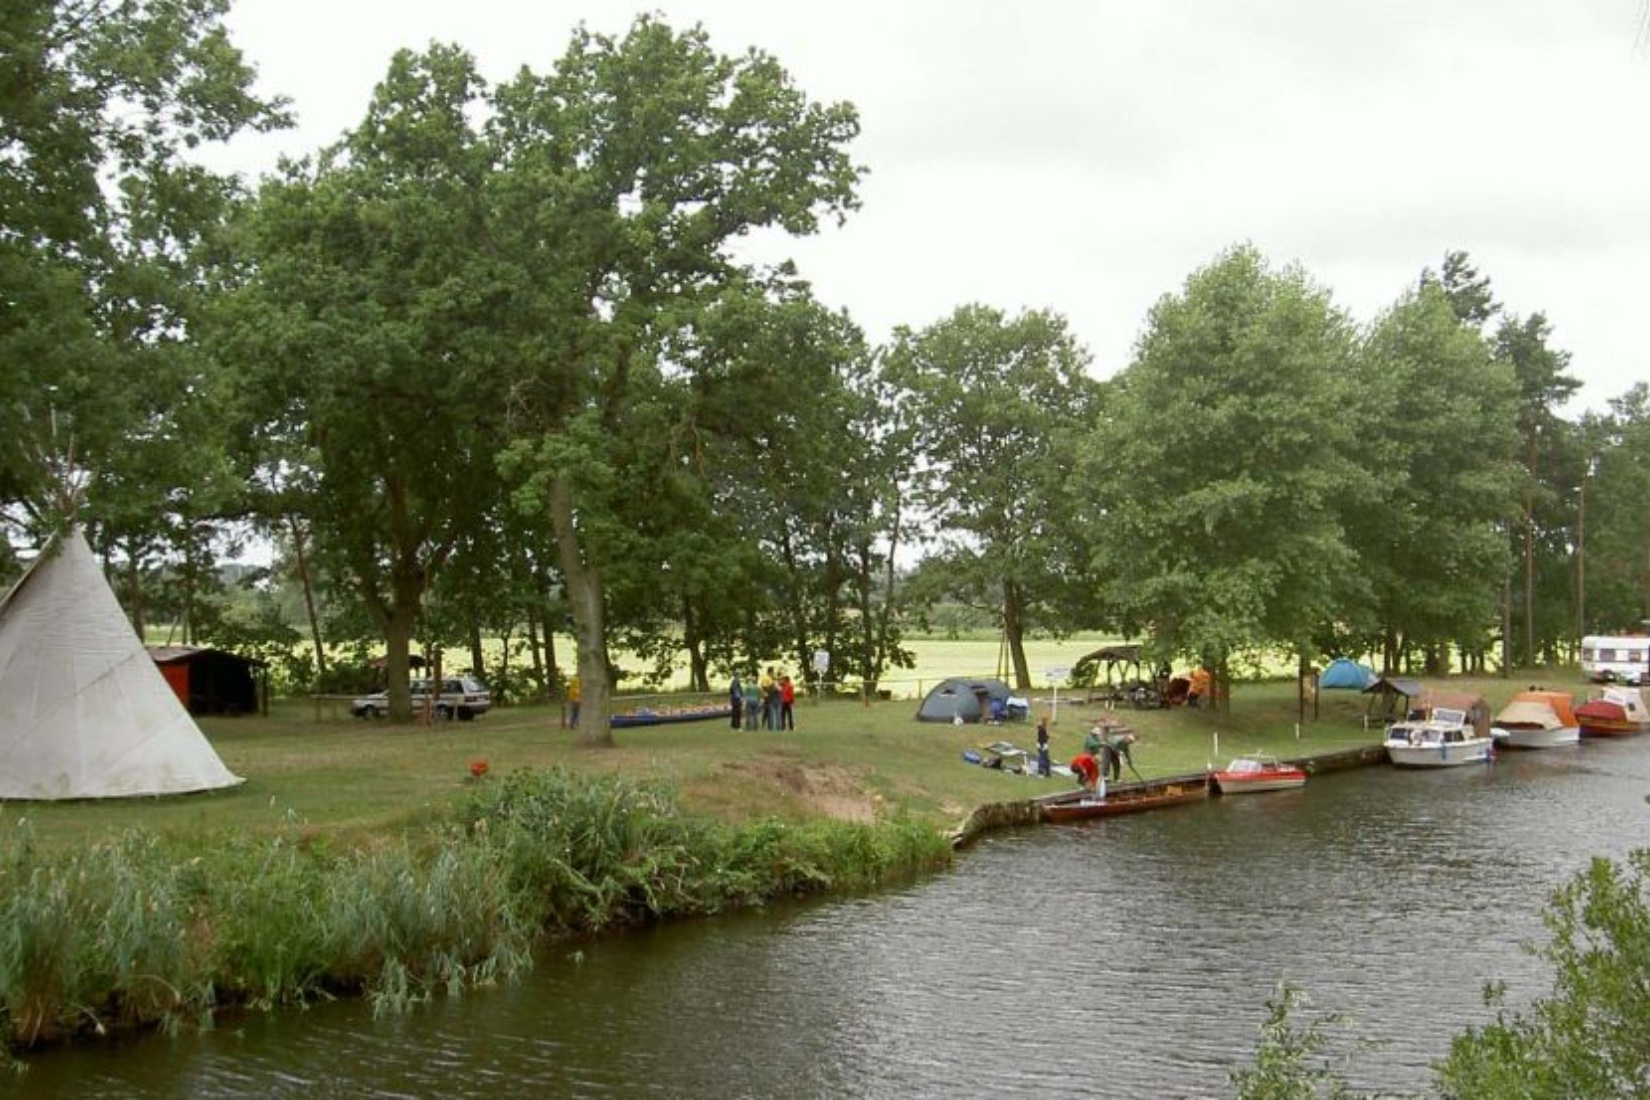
x=307 y=583
x=1222 y=686
x=1581 y=558
x=134 y=592
x=870 y=668
x=535 y=654
x=551 y=674
x=1014 y=631
x=1529 y=578
x=585 y=598
x=398 y=630
x=191 y=562
x=694 y=642
x=798 y=604
x=834 y=572
x=478 y=656
x=1506 y=625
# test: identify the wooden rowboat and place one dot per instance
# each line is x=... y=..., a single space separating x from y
x=1080 y=805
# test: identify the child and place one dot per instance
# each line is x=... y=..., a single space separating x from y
x=1043 y=767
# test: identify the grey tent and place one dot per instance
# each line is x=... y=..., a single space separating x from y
x=962 y=697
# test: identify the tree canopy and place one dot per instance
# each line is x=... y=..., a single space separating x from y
x=497 y=362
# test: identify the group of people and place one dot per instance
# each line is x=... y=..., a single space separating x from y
x=1105 y=750
x=766 y=702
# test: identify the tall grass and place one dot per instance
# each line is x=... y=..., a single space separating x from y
x=590 y=853
x=141 y=932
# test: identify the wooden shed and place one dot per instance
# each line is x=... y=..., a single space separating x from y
x=214 y=681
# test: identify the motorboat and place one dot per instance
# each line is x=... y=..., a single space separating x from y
x=1257 y=772
x=1614 y=712
x=1537 y=719
x=1443 y=738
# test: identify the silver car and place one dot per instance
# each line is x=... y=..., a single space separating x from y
x=463 y=697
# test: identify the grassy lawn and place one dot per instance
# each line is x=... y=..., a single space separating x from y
x=352 y=780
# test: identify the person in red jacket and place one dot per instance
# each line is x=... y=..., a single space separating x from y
x=787 y=704
x=1087 y=771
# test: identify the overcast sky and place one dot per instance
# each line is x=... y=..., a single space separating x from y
x=1086 y=157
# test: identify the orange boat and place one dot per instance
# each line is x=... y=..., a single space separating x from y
x=1537 y=719
x=1614 y=712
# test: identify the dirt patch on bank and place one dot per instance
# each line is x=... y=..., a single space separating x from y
x=829 y=791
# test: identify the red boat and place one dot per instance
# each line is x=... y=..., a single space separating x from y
x=1614 y=712
x=1082 y=805
x=1258 y=772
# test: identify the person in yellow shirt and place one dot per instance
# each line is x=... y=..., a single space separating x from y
x=770 y=699
x=575 y=691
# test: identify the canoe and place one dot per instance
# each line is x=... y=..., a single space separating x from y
x=1079 y=806
x=669 y=717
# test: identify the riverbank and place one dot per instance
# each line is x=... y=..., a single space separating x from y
x=365 y=859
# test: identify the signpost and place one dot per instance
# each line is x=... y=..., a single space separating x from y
x=1055 y=676
x=822 y=665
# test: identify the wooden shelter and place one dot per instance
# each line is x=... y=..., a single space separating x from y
x=214 y=681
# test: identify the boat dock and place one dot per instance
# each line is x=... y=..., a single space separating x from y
x=1033 y=811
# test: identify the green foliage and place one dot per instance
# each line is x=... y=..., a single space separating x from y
x=996 y=406
x=1468 y=291
x=587 y=853
x=627 y=173
x=1614 y=483
x=1590 y=1036
x=1218 y=477
x=370 y=389
x=1438 y=428
x=1291 y=1062
x=102 y=246
x=269 y=933
x=139 y=932
x=107 y=936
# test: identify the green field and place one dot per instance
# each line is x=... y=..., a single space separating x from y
x=351 y=779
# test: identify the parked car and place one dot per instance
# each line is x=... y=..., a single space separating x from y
x=463 y=697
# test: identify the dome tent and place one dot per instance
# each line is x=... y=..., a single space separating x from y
x=84 y=712
x=1346 y=674
x=964 y=697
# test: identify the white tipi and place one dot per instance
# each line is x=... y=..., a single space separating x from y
x=84 y=712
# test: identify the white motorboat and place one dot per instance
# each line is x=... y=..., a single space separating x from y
x=1443 y=739
x=1537 y=719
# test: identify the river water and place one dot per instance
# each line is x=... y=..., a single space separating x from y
x=1125 y=957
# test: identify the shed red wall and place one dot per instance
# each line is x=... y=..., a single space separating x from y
x=177 y=675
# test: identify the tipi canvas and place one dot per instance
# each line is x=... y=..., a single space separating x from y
x=84 y=712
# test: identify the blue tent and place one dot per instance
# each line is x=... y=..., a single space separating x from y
x=1346 y=674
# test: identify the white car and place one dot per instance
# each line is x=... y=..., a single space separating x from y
x=463 y=697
